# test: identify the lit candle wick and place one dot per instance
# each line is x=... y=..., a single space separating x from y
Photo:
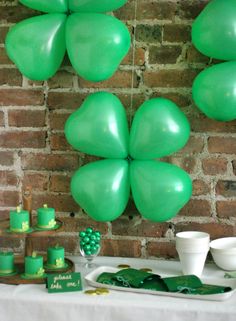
x=18 y=209
x=45 y=205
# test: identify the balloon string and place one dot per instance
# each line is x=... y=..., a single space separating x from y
x=133 y=61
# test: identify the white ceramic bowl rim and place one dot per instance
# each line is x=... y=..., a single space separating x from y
x=224 y=244
x=192 y=235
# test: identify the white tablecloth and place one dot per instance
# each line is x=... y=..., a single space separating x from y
x=33 y=303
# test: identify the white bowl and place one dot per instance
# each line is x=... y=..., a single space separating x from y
x=223 y=251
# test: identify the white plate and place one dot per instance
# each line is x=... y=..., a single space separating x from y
x=92 y=277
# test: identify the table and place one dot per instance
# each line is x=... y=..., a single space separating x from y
x=33 y=303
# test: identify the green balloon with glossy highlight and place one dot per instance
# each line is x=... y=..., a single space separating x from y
x=37 y=45
x=95 y=5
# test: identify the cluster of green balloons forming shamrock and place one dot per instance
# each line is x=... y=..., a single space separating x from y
x=214 y=35
x=102 y=188
x=95 y=42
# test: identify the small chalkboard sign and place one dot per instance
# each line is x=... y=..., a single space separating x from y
x=64 y=282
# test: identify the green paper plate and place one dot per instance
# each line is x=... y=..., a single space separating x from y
x=24 y=276
x=30 y=230
x=49 y=267
x=36 y=228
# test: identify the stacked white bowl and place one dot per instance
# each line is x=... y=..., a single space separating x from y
x=223 y=251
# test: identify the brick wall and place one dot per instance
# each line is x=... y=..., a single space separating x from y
x=33 y=149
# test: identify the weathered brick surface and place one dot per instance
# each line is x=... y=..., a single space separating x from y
x=34 y=151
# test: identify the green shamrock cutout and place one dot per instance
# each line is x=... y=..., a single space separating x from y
x=96 y=43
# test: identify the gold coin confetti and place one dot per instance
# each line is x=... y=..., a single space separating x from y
x=100 y=291
x=146 y=269
x=123 y=266
x=90 y=292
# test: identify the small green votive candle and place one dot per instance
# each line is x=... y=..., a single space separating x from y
x=46 y=217
x=19 y=220
x=34 y=266
x=56 y=256
x=6 y=262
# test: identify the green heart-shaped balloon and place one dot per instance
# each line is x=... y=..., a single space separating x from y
x=49 y=6
x=159 y=129
x=37 y=45
x=96 y=44
x=102 y=188
x=159 y=189
x=213 y=31
x=95 y=5
x=99 y=127
x=214 y=91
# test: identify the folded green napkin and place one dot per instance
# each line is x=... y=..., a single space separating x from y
x=187 y=284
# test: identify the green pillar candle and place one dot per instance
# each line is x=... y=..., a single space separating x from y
x=6 y=262
x=19 y=220
x=56 y=256
x=46 y=217
x=34 y=266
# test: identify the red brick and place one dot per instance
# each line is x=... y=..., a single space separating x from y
x=62 y=79
x=139 y=57
x=68 y=242
x=124 y=226
x=191 y=9
x=21 y=97
x=6 y=158
x=58 y=120
x=16 y=13
x=61 y=202
x=12 y=243
x=226 y=209
x=4 y=215
x=122 y=248
x=38 y=181
x=59 y=142
x=11 y=77
x=60 y=183
x=216 y=230
x=77 y=224
x=196 y=207
x=226 y=145
x=200 y=187
x=65 y=100
x=8 y=178
x=179 y=99
x=137 y=100
x=162 y=249
x=164 y=54
x=226 y=188
x=201 y=123
x=172 y=78
x=3 y=32
x=23 y=139
x=148 y=33
x=50 y=162
x=214 y=166
x=193 y=55
x=9 y=198
x=1 y=118
x=26 y=118
x=3 y=57
x=176 y=33
x=186 y=163
x=147 y=10
x=194 y=146
x=234 y=166
x=121 y=79
x=85 y=159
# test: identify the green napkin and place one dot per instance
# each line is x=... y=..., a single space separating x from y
x=187 y=284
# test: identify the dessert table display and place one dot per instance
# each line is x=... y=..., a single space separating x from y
x=32 y=301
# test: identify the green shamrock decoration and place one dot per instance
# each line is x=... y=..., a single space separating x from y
x=102 y=188
x=96 y=43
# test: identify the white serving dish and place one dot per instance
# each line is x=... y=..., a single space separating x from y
x=223 y=251
x=92 y=277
